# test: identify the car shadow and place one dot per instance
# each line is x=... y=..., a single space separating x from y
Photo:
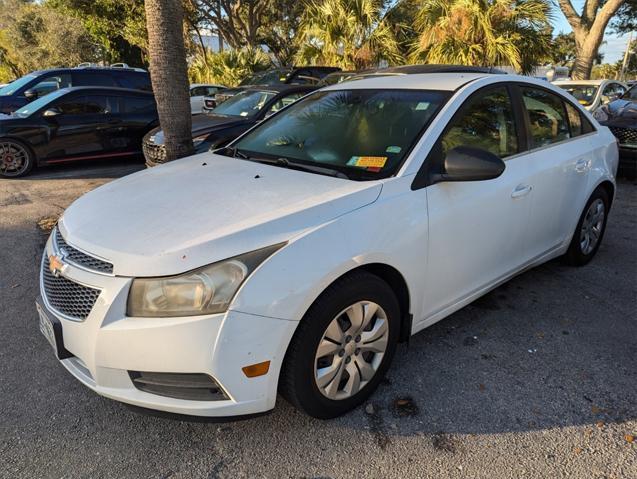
x=87 y=169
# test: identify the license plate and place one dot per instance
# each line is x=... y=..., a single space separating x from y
x=51 y=328
x=46 y=327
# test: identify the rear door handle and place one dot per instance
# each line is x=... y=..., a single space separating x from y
x=521 y=190
x=582 y=165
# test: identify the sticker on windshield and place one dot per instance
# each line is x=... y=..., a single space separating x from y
x=423 y=105
x=393 y=149
x=367 y=161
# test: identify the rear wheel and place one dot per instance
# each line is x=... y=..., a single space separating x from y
x=343 y=347
x=590 y=229
x=15 y=158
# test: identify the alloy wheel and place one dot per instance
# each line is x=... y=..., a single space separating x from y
x=351 y=350
x=14 y=159
x=592 y=226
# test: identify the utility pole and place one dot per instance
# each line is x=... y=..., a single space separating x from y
x=622 y=74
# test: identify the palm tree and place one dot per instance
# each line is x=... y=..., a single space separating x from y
x=228 y=67
x=351 y=34
x=483 y=32
x=169 y=74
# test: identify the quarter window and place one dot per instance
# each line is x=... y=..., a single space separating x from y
x=52 y=83
x=486 y=122
x=547 y=118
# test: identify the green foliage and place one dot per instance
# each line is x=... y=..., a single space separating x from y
x=117 y=26
x=35 y=36
x=228 y=67
x=351 y=34
x=483 y=32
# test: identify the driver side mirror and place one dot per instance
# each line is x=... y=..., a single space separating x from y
x=31 y=95
x=52 y=113
x=465 y=163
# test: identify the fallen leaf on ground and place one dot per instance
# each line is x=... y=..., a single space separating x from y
x=629 y=438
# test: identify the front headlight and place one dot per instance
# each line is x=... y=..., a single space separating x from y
x=206 y=290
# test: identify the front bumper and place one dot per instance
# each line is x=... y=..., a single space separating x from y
x=107 y=345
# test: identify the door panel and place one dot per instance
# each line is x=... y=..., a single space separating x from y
x=477 y=228
x=558 y=165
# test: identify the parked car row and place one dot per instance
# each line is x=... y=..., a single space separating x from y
x=296 y=258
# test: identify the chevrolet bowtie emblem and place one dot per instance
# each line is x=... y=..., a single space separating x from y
x=55 y=265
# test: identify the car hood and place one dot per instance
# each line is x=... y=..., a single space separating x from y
x=206 y=208
x=201 y=125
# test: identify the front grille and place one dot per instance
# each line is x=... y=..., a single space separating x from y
x=79 y=258
x=154 y=153
x=65 y=296
x=625 y=136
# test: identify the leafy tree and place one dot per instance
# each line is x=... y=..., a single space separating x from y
x=589 y=30
x=483 y=32
x=351 y=34
x=117 y=26
x=34 y=36
x=228 y=67
x=169 y=75
x=282 y=21
x=625 y=19
x=238 y=21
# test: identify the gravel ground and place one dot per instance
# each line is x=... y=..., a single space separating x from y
x=538 y=379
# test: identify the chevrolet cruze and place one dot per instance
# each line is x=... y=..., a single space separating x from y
x=296 y=258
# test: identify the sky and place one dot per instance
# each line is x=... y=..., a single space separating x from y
x=615 y=45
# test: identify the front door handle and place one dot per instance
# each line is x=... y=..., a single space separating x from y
x=521 y=190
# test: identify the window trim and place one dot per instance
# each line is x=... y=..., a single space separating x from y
x=423 y=177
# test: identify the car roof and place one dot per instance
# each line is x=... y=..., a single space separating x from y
x=89 y=69
x=106 y=89
x=284 y=88
x=580 y=82
x=420 y=81
x=195 y=85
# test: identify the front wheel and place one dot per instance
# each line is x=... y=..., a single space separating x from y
x=590 y=229
x=342 y=347
x=15 y=159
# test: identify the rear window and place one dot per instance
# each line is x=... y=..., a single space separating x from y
x=137 y=104
x=134 y=80
x=93 y=79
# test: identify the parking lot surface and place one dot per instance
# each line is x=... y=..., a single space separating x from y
x=537 y=379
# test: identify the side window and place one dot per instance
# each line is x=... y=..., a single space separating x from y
x=547 y=118
x=94 y=79
x=134 y=80
x=198 y=91
x=574 y=120
x=485 y=121
x=51 y=83
x=101 y=104
x=72 y=106
x=283 y=102
x=138 y=104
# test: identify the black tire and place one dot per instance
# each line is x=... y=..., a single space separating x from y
x=11 y=150
x=575 y=255
x=297 y=382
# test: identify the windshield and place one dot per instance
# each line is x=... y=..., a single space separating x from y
x=366 y=134
x=584 y=94
x=246 y=103
x=12 y=87
x=30 y=108
x=271 y=77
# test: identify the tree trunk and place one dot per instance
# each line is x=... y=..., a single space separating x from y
x=169 y=75
x=586 y=54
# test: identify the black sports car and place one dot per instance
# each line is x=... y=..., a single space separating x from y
x=230 y=119
x=73 y=124
x=620 y=116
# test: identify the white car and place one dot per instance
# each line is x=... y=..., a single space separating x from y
x=198 y=92
x=297 y=258
x=592 y=94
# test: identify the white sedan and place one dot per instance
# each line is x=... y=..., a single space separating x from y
x=297 y=258
x=592 y=94
x=198 y=92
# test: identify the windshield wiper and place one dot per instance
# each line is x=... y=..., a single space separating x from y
x=285 y=163
x=235 y=152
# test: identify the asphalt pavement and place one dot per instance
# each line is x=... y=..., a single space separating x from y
x=538 y=379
